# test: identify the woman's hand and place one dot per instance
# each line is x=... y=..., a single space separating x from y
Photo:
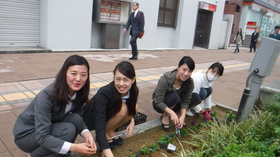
x=174 y=117
x=82 y=148
x=181 y=122
x=89 y=140
x=130 y=128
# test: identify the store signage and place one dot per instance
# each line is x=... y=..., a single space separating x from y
x=251 y=25
x=207 y=6
x=110 y=10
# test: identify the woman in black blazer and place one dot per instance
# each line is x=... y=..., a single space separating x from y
x=50 y=124
x=112 y=106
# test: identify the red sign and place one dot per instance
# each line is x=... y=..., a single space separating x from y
x=250 y=23
x=207 y=6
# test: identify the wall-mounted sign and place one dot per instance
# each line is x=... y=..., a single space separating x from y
x=207 y=6
x=251 y=25
x=111 y=11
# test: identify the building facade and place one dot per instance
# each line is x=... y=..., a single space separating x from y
x=263 y=14
x=70 y=24
x=248 y=14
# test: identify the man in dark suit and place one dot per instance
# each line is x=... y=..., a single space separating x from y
x=254 y=39
x=136 y=21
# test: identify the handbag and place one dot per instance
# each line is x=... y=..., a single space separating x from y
x=172 y=98
x=141 y=34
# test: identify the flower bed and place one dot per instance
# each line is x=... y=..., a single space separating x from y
x=149 y=138
x=256 y=136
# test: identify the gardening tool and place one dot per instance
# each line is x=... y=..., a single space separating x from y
x=178 y=133
x=122 y=135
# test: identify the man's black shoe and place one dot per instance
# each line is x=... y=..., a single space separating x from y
x=133 y=58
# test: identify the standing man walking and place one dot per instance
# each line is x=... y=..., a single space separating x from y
x=136 y=21
x=254 y=39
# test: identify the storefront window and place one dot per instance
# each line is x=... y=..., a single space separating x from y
x=265 y=19
x=167 y=15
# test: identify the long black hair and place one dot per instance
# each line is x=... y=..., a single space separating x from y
x=127 y=69
x=239 y=33
x=60 y=93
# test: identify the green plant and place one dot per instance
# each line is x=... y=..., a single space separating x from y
x=274 y=108
x=165 y=139
x=184 y=132
x=251 y=149
x=214 y=115
x=258 y=135
x=203 y=124
x=145 y=150
x=230 y=116
x=135 y=154
x=193 y=126
x=155 y=147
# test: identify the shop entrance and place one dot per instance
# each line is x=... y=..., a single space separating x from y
x=203 y=28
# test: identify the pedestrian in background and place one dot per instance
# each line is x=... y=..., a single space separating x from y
x=173 y=94
x=50 y=124
x=112 y=106
x=254 y=40
x=136 y=21
x=276 y=34
x=238 y=40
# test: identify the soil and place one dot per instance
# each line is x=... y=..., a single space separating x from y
x=149 y=137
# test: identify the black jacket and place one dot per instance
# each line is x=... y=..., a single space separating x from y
x=98 y=111
x=137 y=23
x=254 y=37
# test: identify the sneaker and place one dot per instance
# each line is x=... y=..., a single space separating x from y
x=189 y=113
x=206 y=115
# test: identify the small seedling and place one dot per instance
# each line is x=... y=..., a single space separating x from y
x=184 y=132
x=230 y=116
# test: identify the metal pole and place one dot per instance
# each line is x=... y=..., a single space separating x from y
x=249 y=97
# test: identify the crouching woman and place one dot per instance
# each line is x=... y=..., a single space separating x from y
x=112 y=106
x=50 y=124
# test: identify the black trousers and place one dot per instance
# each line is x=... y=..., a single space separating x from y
x=253 y=46
x=133 y=43
x=197 y=98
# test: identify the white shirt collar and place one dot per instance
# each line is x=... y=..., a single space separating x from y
x=73 y=96
x=69 y=104
x=124 y=98
x=135 y=12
